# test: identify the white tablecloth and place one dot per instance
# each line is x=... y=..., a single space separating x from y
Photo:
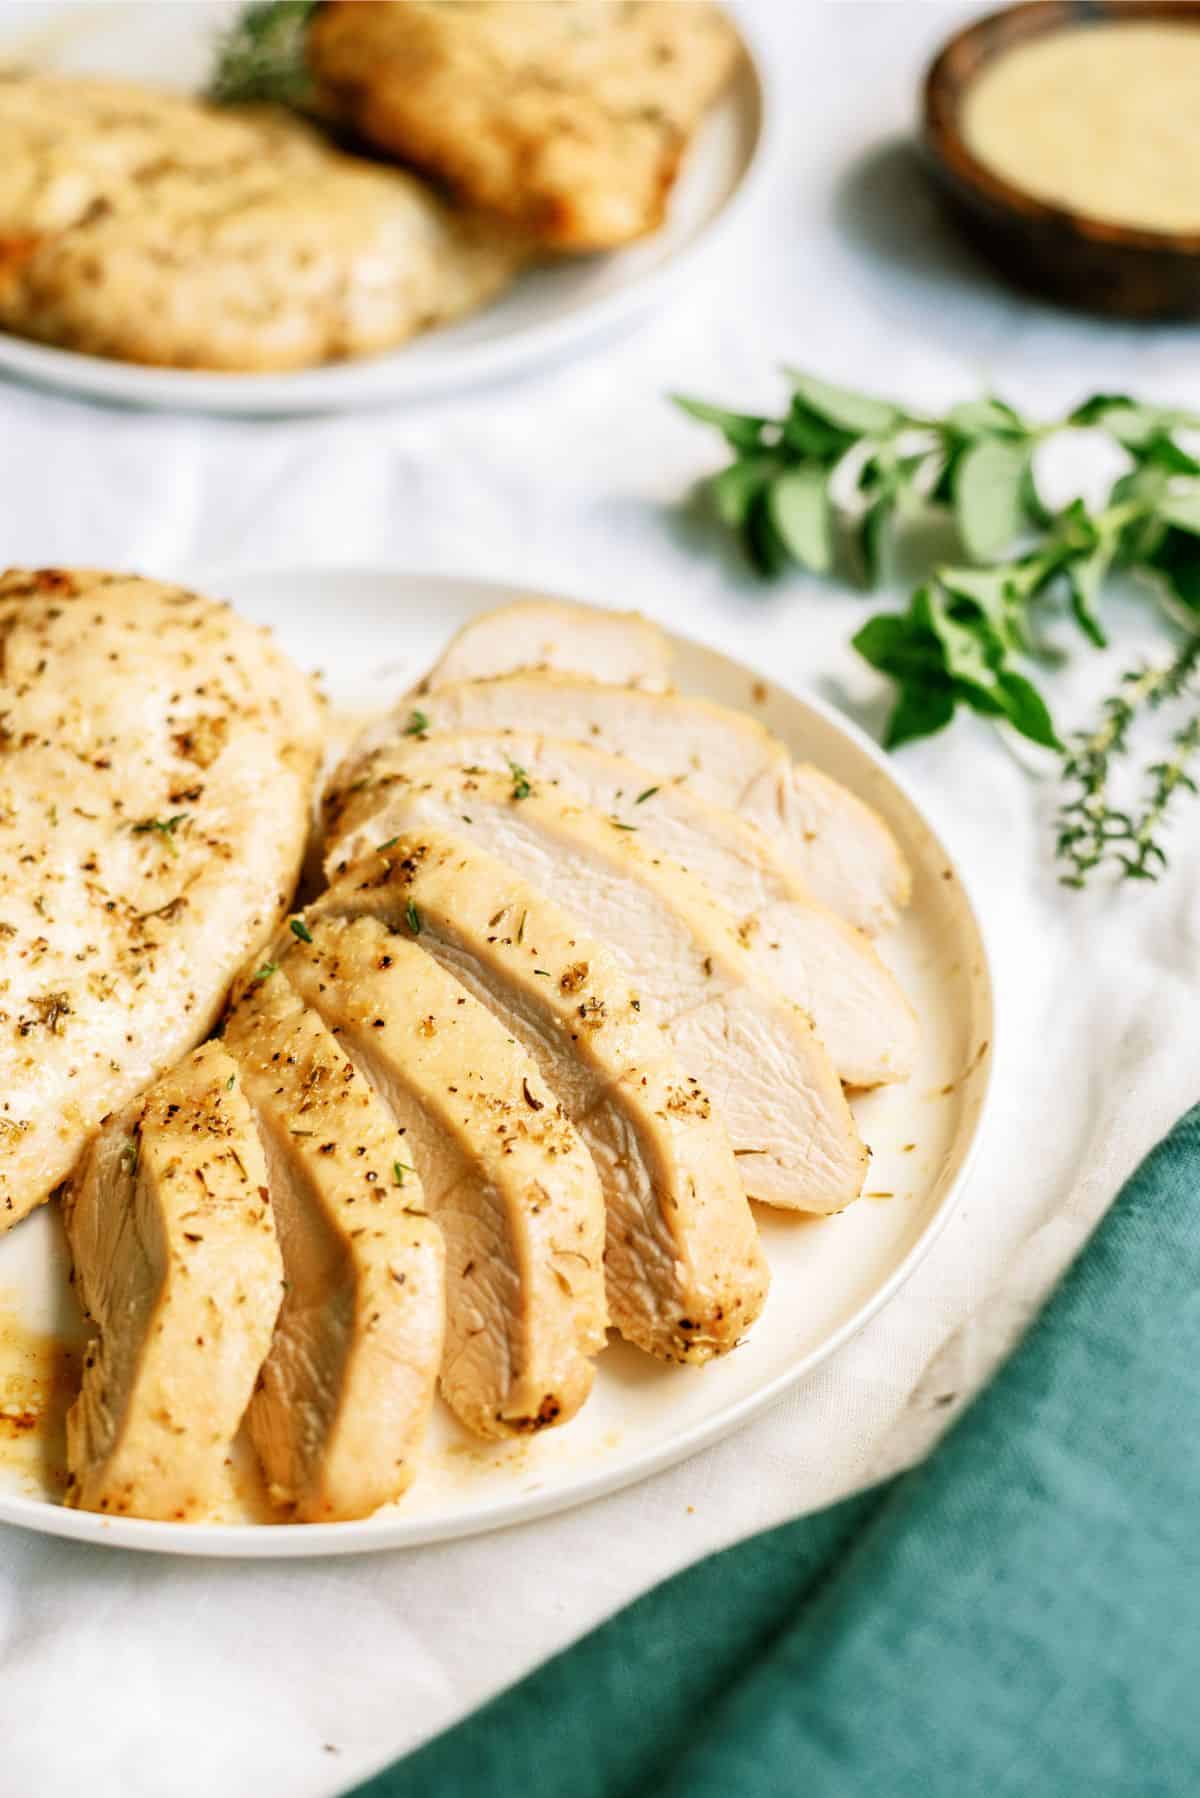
x=141 y=1676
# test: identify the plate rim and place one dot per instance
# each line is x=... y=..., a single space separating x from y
x=299 y=392
x=271 y=1541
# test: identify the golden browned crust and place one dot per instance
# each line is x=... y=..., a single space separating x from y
x=568 y=117
x=151 y=228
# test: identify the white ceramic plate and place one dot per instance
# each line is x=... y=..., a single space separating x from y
x=548 y=314
x=370 y=634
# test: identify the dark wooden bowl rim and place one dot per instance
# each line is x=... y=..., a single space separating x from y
x=947 y=84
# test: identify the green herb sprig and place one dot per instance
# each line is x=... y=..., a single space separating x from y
x=828 y=484
x=261 y=56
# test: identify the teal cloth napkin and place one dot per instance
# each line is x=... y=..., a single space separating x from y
x=1019 y=1615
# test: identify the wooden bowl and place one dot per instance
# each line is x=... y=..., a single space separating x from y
x=1075 y=259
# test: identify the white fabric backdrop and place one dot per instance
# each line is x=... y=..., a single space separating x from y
x=140 y=1676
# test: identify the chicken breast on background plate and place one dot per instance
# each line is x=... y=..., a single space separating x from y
x=147 y=226
x=159 y=761
x=840 y=850
x=569 y=118
x=684 y=1269
x=178 y=1268
x=812 y=956
x=345 y=1392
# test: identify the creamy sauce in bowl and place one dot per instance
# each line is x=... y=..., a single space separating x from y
x=1101 y=119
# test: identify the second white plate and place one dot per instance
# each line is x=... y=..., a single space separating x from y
x=548 y=314
x=828 y=1275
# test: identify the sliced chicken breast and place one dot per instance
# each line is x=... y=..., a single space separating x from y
x=156 y=778
x=754 y=1052
x=178 y=1268
x=844 y=854
x=346 y=1390
x=549 y=634
x=503 y=1172
x=685 y=1272
x=808 y=953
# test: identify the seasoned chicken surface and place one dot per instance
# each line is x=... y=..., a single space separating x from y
x=837 y=846
x=568 y=639
x=159 y=756
x=345 y=1392
x=807 y=952
x=685 y=1273
x=569 y=117
x=150 y=227
x=178 y=1267
x=753 y=1051
x=502 y=1170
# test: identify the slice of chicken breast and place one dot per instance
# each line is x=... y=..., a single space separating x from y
x=346 y=1390
x=178 y=1268
x=684 y=1269
x=753 y=1051
x=808 y=953
x=841 y=850
x=156 y=777
x=503 y=1172
x=551 y=634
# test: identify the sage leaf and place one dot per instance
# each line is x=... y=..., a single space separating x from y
x=967 y=647
x=858 y=413
x=987 y=417
x=1176 y=562
x=997 y=596
x=812 y=436
x=741 y=430
x=734 y=490
x=766 y=550
x=1085 y=575
x=872 y=537
x=798 y=501
x=1026 y=710
x=1183 y=511
x=920 y=711
x=989 y=504
x=1163 y=452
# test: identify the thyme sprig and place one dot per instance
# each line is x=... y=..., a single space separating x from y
x=829 y=484
x=1094 y=830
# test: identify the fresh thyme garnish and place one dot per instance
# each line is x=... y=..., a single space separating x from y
x=617 y=825
x=261 y=56
x=163 y=827
x=265 y=972
x=521 y=787
x=648 y=794
x=1093 y=830
x=390 y=844
x=418 y=724
x=230 y=1083
x=300 y=929
x=399 y=1169
x=414 y=918
x=521 y=927
x=840 y=469
x=544 y=972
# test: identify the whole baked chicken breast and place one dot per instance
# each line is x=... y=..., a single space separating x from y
x=157 y=762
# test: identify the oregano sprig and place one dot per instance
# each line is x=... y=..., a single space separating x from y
x=830 y=481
